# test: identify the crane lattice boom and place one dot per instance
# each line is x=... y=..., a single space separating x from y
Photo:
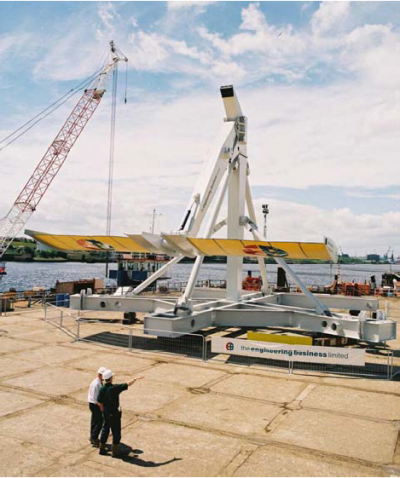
x=48 y=167
x=37 y=185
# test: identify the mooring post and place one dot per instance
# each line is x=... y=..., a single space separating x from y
x=130 y=339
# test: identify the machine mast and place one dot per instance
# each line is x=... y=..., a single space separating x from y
x=51 y=163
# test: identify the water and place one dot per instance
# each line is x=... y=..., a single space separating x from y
x=24 y=276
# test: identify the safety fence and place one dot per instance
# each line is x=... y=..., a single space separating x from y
x=168 y=286
x=136 y=339
x=380 y=362
x=61 y=318
x=14 y=300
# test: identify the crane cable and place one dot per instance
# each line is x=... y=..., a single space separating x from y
x=111 y=156
x=11 y=138
x=112 y=148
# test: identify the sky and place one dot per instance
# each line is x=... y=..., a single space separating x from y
x=318 y=81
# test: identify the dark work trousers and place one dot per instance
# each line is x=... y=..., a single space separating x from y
x=96 y=422
x=113 y=422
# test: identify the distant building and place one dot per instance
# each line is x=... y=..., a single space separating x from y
x=373 y=257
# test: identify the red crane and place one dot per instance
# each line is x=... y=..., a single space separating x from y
x=48 y=167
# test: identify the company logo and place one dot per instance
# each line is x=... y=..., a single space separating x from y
x=273 y=251
x=270 y=251
x=229 y=346
x=94 y=245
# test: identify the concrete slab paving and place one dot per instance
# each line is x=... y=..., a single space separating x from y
x=169 y=450
x=89 y=468
x=144 y=396
x=13 y=345
x=368 y=404
x=272 y=460
x=11 y=402
x=21 y=458
x=228 y=414
x=262 y=388
x=334 y=434
x=46 y=336
x=363 y=384
x=52 y=354
x=11 y=366
x=19 y=318
x=216 y=419
x=148 y=396
x=82 y=345
x=125 y=363
x=11 y=330
x=52 y=381
x=59 y=427
x=195 y=375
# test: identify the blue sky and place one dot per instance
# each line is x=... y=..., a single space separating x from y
x=319 y=83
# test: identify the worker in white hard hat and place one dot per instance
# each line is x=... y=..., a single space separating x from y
x=108 y=400
x=96 y=421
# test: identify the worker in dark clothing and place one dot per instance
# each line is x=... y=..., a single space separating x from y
x=108 y=401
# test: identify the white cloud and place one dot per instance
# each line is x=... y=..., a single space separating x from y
x=355 y=233
x=200 y=6
x=296 y=139
x=339 y=133
x=252 y=18
x=331 y=16
x=108 y=14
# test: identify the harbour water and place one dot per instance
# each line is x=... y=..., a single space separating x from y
x=24 y=276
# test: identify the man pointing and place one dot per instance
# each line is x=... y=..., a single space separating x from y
x=108 y=400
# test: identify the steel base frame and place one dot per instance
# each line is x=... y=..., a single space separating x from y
x=253 y=310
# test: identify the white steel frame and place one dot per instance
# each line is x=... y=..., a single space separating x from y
x=225 y=174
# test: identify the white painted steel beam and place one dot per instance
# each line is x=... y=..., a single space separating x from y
x=307 y=311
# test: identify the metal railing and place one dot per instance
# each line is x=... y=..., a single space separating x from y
x=136 y=339
x=14 y=300
x=61 y=318
x=381 y=362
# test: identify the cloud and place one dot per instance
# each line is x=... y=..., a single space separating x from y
x=372 y=195
x=355 y=233
x=331 y=16
x=298 y=139
x=200 y=6
x=322 y=101
x=108 y=14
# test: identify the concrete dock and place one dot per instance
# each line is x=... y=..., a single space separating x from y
x=186 y=418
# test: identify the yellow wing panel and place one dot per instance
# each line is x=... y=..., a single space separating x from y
x=207 y=247
x=88 y=243
x=248 y=248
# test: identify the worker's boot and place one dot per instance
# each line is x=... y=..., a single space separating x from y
x=114 y=451
x=95 y=442
x=102 y=449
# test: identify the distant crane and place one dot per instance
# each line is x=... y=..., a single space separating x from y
x=48 y=167
x=154 y=215
x=265 y=210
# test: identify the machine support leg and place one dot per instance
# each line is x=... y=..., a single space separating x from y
x=186 y=296
x=319 y=306
x=252 y=215
x=157 y=274
x=236 y=208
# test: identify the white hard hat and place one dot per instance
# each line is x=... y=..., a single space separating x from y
x=101 y=370
x=108 y=374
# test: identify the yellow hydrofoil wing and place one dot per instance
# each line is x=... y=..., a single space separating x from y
x=190 y=246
